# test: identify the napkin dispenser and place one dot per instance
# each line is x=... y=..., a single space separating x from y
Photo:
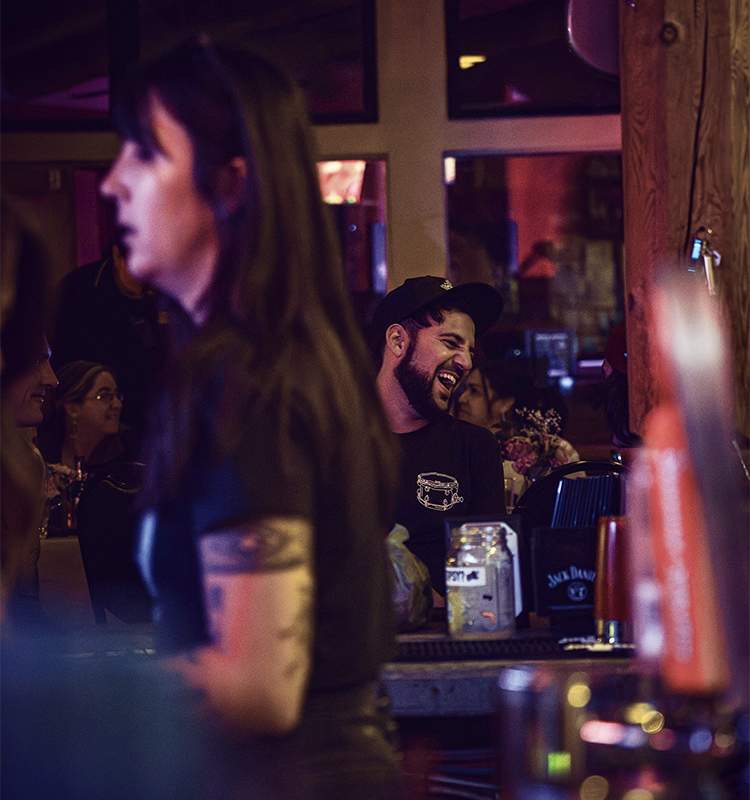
x=563 y=573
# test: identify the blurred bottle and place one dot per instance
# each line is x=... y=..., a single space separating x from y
x=611 y=588
x=645 y=592
x=74 y=494
x=690 y=646
x=680 y=503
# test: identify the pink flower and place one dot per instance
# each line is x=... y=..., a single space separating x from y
x=535 y=444
x=520 y=452
x=58 y=478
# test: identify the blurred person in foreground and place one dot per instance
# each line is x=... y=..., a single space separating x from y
x=270 y=464
x=26 y=377
x=71 y=728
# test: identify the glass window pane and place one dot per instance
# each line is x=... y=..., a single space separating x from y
x=512 y=57
x=328 y=47
x=56 y=57
x=548 y=232
x=356 y=194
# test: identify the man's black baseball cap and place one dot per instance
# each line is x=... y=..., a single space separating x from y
x=483 y=301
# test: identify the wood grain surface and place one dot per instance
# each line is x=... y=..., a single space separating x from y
x=684 y=85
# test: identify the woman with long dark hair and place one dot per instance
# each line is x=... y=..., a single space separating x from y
x=85 y=419
x=270 y=466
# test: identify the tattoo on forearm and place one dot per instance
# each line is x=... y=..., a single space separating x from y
x=214 y=607
x=261 y=547
x=300 y=631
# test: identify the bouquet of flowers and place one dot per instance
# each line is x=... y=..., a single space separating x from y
x=59 y=478
x=62 y=489
x=532 y=442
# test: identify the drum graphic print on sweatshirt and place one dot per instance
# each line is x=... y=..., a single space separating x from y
x=447 y=466
x=438 y=491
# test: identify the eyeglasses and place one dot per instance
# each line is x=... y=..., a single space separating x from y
x=107 y=397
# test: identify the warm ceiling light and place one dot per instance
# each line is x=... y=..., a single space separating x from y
x=465 y=62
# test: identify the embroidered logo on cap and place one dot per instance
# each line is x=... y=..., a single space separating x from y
x=446 y=284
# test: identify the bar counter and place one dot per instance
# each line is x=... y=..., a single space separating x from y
x=436 y=676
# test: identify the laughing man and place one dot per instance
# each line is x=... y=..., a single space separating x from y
x=423 y=335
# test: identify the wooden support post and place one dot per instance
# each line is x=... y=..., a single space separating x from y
x=685 y=143
x=739 y=27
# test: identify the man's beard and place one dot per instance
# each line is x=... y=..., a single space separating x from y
x=417 y=387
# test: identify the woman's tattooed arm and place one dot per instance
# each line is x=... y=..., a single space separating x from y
x=260 y=600
x=274 y=543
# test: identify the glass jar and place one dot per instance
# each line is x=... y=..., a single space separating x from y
x=479 y=577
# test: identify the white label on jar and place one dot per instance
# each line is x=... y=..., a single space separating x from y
x=466 y=576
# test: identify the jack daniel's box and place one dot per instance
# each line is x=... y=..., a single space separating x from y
x=563 y=565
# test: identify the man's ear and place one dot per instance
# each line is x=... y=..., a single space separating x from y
x=397 y=340
x=230 y=184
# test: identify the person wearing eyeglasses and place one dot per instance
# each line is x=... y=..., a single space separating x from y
x=85 y=420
